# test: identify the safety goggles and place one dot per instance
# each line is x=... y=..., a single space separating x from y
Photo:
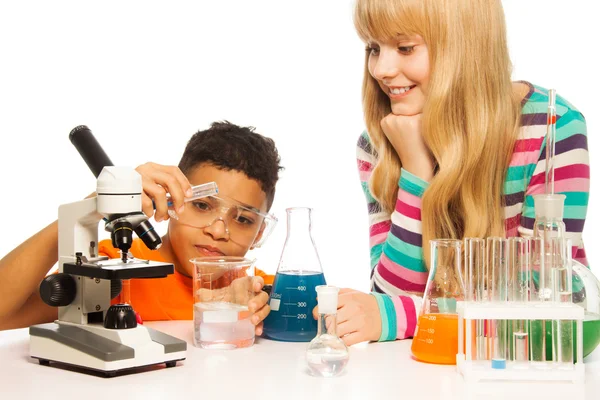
x=244 y=225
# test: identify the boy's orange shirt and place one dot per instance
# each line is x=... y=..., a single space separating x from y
x=157 y=299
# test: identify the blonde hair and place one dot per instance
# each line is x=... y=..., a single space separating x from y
x=470 y=117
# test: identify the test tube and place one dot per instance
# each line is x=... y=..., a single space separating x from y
x=562 y=330
x=536 y=265
x=497 y=268
x=518 y=293
x=550 y=142
x=474 y=273
x=198 y=192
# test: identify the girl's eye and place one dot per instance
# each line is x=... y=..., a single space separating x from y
x=372 y=50
x=406 y=49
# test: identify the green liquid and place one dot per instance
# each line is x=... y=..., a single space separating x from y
x=591 y=336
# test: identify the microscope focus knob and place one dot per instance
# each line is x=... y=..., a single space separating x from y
x=58 y=290
x=120 y=316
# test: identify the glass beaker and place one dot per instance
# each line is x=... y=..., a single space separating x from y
x=222 y=289
x=327 y=354
x=299 y=272
x=436 y=337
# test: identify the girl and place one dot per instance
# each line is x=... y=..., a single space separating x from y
x=453 y=149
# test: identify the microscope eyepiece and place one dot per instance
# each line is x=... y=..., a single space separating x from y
x=90 y=150
x=122 y=236
x=149 y=236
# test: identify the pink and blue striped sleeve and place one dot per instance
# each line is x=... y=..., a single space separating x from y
x=398 y=272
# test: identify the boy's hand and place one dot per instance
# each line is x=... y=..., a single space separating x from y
x=247 y=290
x=259 y=304
x=157 y=181
x=358 y=318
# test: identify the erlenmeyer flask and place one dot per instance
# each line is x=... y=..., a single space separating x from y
x=436 y=338
x=298 y=274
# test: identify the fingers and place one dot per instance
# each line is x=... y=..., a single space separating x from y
x=345 y=296
x=348 y=327
x=345 y=313
x=259 y=329
x=147 y=205
x=260 y=315
x=257 y=283
x=353 y=338
x=173 y=187
x=315 y=312
x=258 y=301
x=157 y=181
x=158 y=194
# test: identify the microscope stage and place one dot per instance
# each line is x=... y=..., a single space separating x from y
x=116 y=269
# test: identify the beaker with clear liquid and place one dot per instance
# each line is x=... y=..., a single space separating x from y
x=327 y=354
x=299 y=272
x=436 y=337
x=223 y=286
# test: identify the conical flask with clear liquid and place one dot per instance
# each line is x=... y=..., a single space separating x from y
x=436 y=337
x=299 y=272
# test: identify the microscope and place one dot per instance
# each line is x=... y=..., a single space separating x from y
x=90 y=332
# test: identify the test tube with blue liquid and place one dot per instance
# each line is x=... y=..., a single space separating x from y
x=498 y=273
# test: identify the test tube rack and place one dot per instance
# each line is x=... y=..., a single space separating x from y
x=481 y=370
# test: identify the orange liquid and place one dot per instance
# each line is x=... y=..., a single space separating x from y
x=436 y=340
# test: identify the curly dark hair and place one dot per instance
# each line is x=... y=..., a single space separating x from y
x=231 y=147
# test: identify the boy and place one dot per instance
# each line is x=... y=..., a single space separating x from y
x=245 y=166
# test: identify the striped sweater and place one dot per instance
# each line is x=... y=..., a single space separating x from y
x=398 y=272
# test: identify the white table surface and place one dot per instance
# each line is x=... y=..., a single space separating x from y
x=267 y=370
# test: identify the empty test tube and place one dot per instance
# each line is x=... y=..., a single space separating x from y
x=518 y=293
x=498 y=272
x=474 y=273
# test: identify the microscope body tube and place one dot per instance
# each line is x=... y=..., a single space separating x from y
x=90 y=150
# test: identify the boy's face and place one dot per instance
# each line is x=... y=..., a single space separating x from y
x=188 y=242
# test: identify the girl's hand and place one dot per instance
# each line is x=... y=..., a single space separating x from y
x=405 y=135
x=358 y=318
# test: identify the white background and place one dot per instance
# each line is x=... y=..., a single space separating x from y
x=145 y=75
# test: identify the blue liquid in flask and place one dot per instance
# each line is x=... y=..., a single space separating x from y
x=293 y=299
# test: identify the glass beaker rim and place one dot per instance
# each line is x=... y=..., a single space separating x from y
x=298 y=209
x=223 y=261
x=446 y=242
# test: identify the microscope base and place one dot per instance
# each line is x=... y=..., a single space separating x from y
x=109 y=351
